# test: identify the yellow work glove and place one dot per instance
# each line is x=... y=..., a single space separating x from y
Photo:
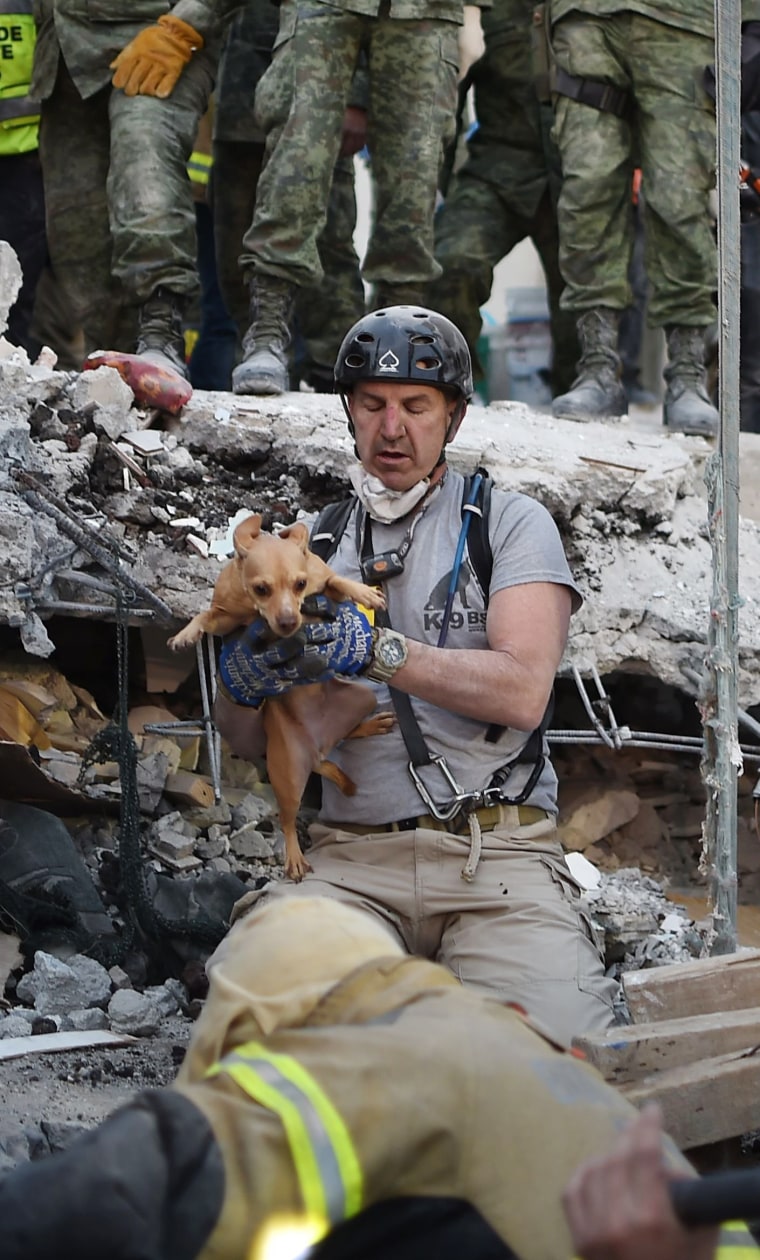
x=153 y=61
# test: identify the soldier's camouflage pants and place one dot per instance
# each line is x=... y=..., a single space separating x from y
x=120 y=213
x=475 y=228
x=671 y=137
x=323 y=317
x=300 y=103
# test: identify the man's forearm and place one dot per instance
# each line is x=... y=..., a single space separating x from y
x=510 y=682
x=490 y=686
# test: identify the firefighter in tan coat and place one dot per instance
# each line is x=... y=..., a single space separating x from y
x=331 y=1077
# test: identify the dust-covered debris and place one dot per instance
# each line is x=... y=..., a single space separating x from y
x=640 y=926
x=630 y=506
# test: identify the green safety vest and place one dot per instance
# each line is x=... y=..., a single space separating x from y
x=19 y=114
x=324 y=1157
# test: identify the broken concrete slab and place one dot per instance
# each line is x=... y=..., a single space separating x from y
x=629 y=503
x=587 y=817
x=11 y=278
x=108 y=398
x=628 y=500
x=134 y=1013
x=54 y=987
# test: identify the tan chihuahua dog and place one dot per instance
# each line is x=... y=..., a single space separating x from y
x=270 y=577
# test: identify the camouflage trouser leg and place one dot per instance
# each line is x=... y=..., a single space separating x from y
x=566 y=351
x=234 y=179
x=673 y=136
x=149 y=194
x=300 y=102
x=474 y=230
x=74 y=150
x=326 y=312
x=413 y=97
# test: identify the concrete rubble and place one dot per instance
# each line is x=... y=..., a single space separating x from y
x=629 y=502
x=81 y=465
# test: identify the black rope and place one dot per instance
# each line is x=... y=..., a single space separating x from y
x=116 y=743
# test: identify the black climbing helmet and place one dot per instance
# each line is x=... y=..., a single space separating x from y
x=405 y=343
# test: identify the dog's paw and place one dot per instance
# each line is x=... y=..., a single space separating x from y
x=377 y=724
x=383 y=722
x=371 y=597
x=296 y=867
x=179 y=641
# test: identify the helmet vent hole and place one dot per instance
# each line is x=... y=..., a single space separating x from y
x=428 y=364
x=355 y=360
x=422 y=339
x=365 y=336
x=421 y=315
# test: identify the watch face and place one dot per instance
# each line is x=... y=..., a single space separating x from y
x=392 y=652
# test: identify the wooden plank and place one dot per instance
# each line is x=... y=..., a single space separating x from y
x=187 y=788
x=730 y=982
x=625 y=1054
x=707 y=1101
x=55 y=1043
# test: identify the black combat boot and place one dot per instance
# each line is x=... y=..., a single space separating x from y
x=597 y=390
x=264 y=366
x=160 y=339
x=687 y=407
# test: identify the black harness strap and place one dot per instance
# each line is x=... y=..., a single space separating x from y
x=329 y=529
x=605 y=97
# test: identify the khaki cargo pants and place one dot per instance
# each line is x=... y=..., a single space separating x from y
x=515 y=931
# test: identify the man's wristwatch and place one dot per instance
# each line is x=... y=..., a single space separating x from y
x=389 y=653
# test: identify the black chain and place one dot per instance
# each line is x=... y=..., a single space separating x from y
x=116 y=743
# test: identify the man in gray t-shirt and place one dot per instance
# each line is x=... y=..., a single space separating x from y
x=481 y=886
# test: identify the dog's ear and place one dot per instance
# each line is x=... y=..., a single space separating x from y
x=246 y=534
x=298 y=534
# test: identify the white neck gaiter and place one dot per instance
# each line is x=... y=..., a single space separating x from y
x=382 y=504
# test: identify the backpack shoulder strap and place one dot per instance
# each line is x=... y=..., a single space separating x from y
x=481 y=557
x=478 y=541
x=330 y=526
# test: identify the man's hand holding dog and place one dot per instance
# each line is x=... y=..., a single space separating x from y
x=253 y=667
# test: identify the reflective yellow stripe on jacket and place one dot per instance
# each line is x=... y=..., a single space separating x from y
x=324 y=1157
x=736 y=1242
x=199 y=167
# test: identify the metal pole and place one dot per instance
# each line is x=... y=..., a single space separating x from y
x=722 y=760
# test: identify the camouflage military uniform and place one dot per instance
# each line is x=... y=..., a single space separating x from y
x=324 y=316
x=507 y=189
x=656 y=51
x=121 y=221
x=413 y=57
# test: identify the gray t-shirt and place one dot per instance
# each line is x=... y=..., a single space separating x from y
x=526 y=548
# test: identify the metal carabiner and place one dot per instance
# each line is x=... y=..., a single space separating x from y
x=459 y=797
